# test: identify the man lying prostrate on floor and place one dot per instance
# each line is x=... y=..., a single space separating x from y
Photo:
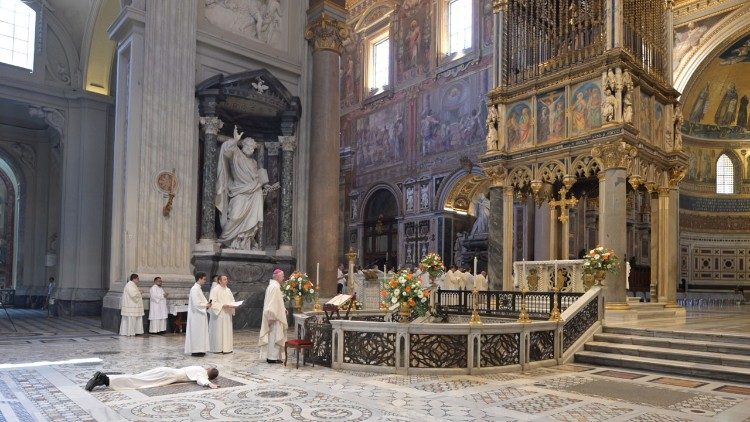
x=156 y=377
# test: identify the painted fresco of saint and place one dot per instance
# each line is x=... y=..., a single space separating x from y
x=727 y=110
x=700 y=106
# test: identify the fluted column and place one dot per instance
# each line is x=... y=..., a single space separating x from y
x=325 y=32
x=211 y=125
x=614 y=159
x=288 y=146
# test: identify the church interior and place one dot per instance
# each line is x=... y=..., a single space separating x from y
x=475 y=209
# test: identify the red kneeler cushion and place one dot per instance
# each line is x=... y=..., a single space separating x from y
x=299 y=342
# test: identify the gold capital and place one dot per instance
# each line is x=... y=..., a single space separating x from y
x=614 y=155
x=496 y=172
x=326 y=33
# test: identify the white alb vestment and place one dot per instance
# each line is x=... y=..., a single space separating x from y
x=239 y=195
x=131 y=310
x=157 y=310
x=196 y=333
x=480 y=282
x=468 y=281
x=220 y=333
x=158 y=377
x=273 y=326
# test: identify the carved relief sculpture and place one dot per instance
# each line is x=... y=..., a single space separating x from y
x=240 y=187
x=260 y=20
x=677 y=128
x=627 y=99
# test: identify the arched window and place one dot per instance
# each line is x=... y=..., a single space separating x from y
x=459 y=25
x=17 y=30
x=724 y=175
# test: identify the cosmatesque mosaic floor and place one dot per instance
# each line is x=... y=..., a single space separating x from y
x=253 y=390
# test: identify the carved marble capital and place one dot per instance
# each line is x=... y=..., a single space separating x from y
x=288 y=143
x=211 y=124
x=326 y=33
x=615 y=155
x=52 y=116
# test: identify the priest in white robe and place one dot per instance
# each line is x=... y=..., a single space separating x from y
x=157 y=308
x=450 y=279
x=480 y=281
x=131 y=308
x=196 y=333
x=273 y=325
x=156 y=377
x=220 y=331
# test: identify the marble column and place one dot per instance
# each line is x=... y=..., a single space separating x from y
x=508 y=238
x=288 y=146
x=553 y=235
x=500 y=9
x=668 y=41
x=656 y=293
x=668 y=245
x=326 y=30
x=613 y=231
x=495 y=257
x=211 y=125
x=156 y=66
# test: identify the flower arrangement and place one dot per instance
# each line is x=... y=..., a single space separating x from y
x=405 y=288
x=299 y=285
x=601 y=258
x=432 y=264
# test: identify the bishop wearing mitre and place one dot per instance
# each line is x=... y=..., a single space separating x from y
x=157 y=308
x=220 y=332
x=131 y=308
x=273 y=326
x=196 y=333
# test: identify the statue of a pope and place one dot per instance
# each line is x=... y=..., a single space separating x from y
x=239 y=193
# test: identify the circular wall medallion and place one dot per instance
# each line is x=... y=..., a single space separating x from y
x=166 y=182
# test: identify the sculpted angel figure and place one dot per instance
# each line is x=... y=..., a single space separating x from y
x=240 y=187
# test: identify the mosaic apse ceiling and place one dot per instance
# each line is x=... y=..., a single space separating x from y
x=716 y=101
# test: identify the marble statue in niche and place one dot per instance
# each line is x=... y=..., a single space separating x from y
x=260 y=20
x=424 y=197
x=483 y=214
x=240 y=187
x=410 y=198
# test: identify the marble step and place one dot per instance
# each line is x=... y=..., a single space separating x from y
x=671 y=343
x=710 y=358
x=702 y=370
x=682 y=335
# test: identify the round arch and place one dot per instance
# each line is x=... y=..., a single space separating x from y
x=720 y=36
x=396 y=192
x=461 y=187
x=12 y=174
x=380 y=217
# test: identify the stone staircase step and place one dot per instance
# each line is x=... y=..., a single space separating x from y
x=720 y=372
x=710 y=358
x=682 y=335
x=672 y=343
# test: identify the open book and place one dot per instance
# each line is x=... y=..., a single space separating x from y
x=339 y=300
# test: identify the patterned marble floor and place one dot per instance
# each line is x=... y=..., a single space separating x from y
x=253 y=390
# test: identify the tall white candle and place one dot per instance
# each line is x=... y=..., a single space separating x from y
x=475 y=266
x=317 y=273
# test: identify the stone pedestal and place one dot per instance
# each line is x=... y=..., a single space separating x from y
x=325 y=32
x=248 y=274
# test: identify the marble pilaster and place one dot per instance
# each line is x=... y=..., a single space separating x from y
x=211 y=125
x=156 y=48
x=288 y=147
x=326 y=31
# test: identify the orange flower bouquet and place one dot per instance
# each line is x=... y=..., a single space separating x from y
x=406 y=288
x=299 y=285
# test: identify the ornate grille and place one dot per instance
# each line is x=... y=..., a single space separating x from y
x=541 y=345
x=500 y=349
x=438 y=351
x=541 y=36
x=370 y=348
x=576 y=326
x=320 y=334
x=502 y=304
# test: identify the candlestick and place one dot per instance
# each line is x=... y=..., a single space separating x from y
x=317 y=306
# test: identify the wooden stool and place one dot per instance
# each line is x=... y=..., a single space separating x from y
x=300 y=346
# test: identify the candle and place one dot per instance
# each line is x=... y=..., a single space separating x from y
x=317 y=272
x=475 y=266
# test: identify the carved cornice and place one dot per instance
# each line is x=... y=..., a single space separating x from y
x=326 y=33
x=614 y=155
